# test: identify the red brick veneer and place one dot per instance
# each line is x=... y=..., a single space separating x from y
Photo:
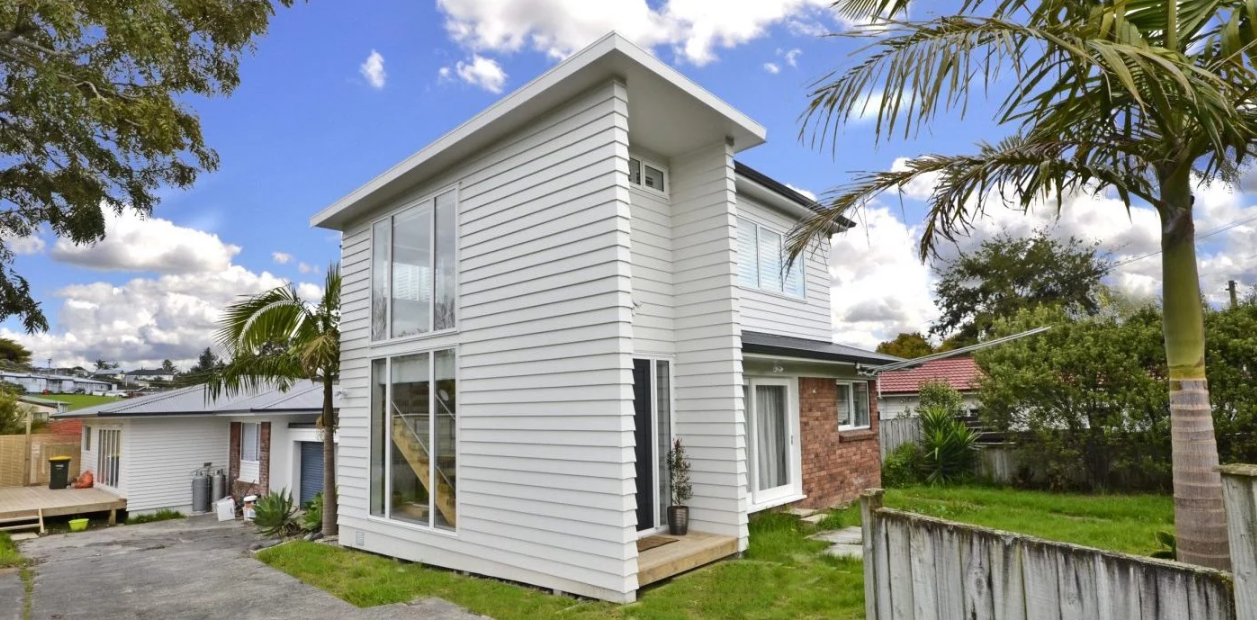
x=836 y=466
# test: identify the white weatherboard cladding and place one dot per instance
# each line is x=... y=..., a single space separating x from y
x=652 y=274
x=159 y=455
x=545 y=410
x=708 y=369
x=781 y=314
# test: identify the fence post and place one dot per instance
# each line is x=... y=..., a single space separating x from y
x=26 y=460
x=870 y=503
x=1239 y=494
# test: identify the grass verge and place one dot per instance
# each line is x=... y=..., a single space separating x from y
x=80 y=401
x=164 y=514
x=9 y=556
x=783 y=575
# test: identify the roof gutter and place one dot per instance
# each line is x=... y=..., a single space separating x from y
x=747 y=184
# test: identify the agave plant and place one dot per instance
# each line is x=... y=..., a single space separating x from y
x=276 y=514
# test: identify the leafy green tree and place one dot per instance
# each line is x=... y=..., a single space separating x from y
x=12 y=414
x=168 y=366
x=309 y=333
x=93 y=111
x=1137 y=99
x=1007 y=274
x=12 y=351
x=907 y=346
x=1232 y=355
x=1086 y=398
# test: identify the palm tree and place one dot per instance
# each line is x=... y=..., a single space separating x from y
x=1140 y=99
x=277 y=338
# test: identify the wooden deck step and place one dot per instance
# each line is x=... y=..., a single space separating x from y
x=687 y=553
x=32 y=521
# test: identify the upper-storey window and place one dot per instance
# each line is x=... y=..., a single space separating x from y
x=645 y=174
x=413 y=269
x=761 y=261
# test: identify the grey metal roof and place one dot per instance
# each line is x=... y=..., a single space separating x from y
x=303 y=397
x=789 y=346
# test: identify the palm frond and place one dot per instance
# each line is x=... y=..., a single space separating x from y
x=1016 y=171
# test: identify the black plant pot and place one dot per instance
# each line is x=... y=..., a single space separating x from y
x=678 y=520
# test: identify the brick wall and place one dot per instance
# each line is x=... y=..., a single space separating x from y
x=239 y=489
x=836 y=466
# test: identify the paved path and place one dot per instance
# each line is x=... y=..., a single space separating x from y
x=186 y=569
x=844 y=543
x=12 y=594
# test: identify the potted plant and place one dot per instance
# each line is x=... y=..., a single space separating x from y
x=682 y=490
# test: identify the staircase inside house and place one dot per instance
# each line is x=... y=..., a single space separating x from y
x=412 y=447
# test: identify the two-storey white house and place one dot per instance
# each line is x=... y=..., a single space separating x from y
x=537 y=303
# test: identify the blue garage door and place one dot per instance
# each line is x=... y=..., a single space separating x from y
x=311 y=470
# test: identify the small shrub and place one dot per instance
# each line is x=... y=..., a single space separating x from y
x=9 y=555
x=679 y=474
x=276 y=514
x=902 y=467
x=1169 y=546
x=312 y=518
x=161 y=515
x=949 y=454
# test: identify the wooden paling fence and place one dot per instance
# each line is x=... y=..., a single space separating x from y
x=896 y=432
x=24 y=461
x=921 y=568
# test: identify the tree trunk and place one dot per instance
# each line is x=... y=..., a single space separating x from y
x=1199 y=517
x=329 y=460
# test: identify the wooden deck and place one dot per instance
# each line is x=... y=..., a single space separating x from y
x=687 y=553
x=17 y=502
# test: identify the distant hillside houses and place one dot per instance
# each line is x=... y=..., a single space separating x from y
x=35 y=382
x=146 y=377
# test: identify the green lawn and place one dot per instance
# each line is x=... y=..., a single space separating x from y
x=782 y=575
x=1127 y=523
x=80 y=401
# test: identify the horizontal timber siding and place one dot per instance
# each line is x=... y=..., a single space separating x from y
x=780 y=314
x=545 y=454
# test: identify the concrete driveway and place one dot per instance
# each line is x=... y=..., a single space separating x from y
x=184 y=569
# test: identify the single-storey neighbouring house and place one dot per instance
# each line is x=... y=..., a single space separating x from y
x=146 y=449
x=38 y=383
x=899 y=391
x=539 y=302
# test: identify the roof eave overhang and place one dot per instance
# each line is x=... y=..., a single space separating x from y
x=787 y=352
x=774 y=199
x=606 y=59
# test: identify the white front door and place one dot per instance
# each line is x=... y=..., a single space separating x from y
x=772 y=426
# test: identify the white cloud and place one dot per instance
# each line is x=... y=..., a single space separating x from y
x=24 y=246
x=772 y=67
x=693 y=29
x=479 y=71
x=883 y=249
x=143 y=321
x=443 y=73
x=135 y=243
x=309 y=292
x=281 y=258
x=373 y=70
x=792 y=57
x=307 y=268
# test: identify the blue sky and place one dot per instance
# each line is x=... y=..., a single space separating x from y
x=308 y=124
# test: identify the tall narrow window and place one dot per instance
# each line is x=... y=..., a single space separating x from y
x=379 y=279
x=411 y=444
x=445 y=434
x=414 y=271
x=444 y=307
x=379 y=392
x=770 y=260
x=663 y=410
x=853 y=406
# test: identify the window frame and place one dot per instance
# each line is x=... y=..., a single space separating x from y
x=86 y=443
x=388 y=216
x=800 y=265
x=257 y=440
x=386 y=517
x=642 y=162
x=850 y=385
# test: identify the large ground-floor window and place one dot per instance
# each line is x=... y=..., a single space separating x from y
x=414 y=427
